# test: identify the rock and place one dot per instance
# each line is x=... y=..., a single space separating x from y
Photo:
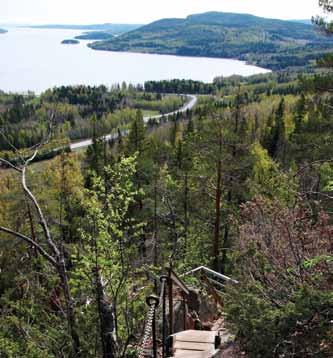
x=193 y=300
x=179 y=316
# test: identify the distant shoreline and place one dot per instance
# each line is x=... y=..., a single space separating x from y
x=115 y=28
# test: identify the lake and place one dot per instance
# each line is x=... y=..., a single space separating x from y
x=35 y=59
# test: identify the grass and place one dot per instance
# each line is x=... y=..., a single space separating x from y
x=148 y=113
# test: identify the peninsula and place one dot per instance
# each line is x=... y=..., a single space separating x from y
x=268 y=43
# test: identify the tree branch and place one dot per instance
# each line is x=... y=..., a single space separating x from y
x=31 y=242
x=10 y=165
x=39 y=211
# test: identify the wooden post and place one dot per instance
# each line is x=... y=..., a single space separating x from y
x=164 y=281
x=170 y=293
x=184 y=308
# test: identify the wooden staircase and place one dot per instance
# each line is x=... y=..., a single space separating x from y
x=194 y=344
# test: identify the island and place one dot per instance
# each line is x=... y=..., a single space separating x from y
x=2 y=31
x=70 y=42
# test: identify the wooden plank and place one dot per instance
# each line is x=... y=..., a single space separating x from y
x=196 y=336
x=193 y=346
x=190 y=354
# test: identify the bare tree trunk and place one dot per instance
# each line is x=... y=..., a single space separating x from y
x=54 y=255
x=155 y=225
x=106 y=316
x=62 y=271
x=186 y=223
x=32 y=230
x=218 y=197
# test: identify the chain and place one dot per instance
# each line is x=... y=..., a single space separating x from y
x=150 y=330
x=145 y=350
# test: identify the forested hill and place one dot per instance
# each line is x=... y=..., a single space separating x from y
x=271 y=43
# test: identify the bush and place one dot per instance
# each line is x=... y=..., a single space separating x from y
x=284 y=304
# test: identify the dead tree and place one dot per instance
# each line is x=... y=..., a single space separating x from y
x=46 y=246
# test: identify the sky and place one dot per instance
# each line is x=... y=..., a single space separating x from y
x=143 y=11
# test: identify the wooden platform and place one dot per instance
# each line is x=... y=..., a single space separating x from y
x=195 y=344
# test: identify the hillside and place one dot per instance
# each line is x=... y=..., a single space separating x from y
x=266 y=42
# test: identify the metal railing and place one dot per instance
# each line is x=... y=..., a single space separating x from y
x=211 y=272
x=149 y=346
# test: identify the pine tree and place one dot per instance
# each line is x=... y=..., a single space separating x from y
x=95 y=152
x=136 y=137
x=276 y=137
x=300 y=113
x=174 y=132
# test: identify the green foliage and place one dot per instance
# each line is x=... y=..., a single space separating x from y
x=267 y=179
x=326 y=176
x=75 y=112
x=110 y=241
x=249 y=170
x=179 y=86
x=299 y=328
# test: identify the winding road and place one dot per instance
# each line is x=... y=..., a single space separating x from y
x=188 y=106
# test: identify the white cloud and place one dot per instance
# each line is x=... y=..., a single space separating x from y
x=136 y=11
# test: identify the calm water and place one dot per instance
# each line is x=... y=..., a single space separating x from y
x=34 y=59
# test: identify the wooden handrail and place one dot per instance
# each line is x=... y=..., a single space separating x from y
x=180 y=283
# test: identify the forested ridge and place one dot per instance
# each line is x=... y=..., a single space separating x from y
x=269 y=43
x=242 y=184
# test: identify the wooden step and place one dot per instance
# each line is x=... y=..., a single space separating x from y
x=194 y=344
x=196 y=336
x=190 y=354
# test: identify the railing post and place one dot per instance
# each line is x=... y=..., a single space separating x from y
x=153 y=301
x=164 y=280
x=170 y=303
x=184 y=315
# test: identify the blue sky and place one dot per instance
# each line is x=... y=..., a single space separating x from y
x=143 y=11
